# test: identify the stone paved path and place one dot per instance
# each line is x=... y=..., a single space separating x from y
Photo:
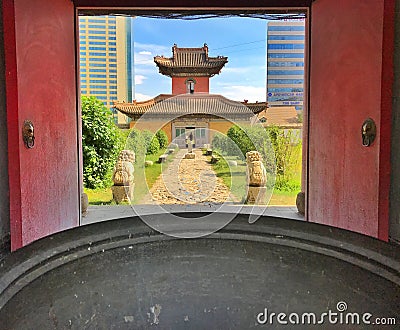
x=188 y=181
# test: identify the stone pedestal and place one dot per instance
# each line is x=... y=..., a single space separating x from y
x=122 y=193
x=190 y=155
x=301 y=203
x=85 y=203
x=256 y=195
x=190 y=146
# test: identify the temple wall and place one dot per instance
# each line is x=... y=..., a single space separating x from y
x=179 y=85
x=153 y=126
x=220 y=126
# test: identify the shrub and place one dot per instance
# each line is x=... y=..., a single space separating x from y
x=101 y=143
x=151 y=142
x=154 y=146
x=280 y=150
x=147 y=137
x=242 y=140
x=218 y=142
x=162 y=138
x=287 y=157
x=135 y=142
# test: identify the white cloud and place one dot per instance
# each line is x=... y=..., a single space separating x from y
x=152 y=49
x=139 y=79
x=240 y=93
x=142 y=97
x=235 y=70
x=144 y=59
x=144 y=53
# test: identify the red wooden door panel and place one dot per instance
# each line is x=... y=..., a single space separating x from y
x=350 y=80
x=41 y=87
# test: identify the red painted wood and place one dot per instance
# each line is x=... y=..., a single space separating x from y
x=13 y=127
x=348 y=183
x=179 y=85
x=41 y=86
x=386 y=118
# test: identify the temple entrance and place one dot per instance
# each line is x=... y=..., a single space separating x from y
x=198 y=135
x=201 y=136
x=341 y=190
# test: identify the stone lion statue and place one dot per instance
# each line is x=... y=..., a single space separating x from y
x=256 y=174
x=123 y=170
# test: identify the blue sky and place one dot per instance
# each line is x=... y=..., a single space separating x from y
x=243 y=40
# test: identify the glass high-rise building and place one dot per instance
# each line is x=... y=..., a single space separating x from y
x=285 y=63
x=106 y=59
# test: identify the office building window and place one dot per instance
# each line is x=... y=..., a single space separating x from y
x=98 y=87
x=285 y=81
x=294 y=37
x=286 y=46
x=286 y=28
x=95 y=81
x=97 y=70
x=96 y=54
x=285 y=72
x=96 y=32
x=285 y=55
x=97 y=37
x=97 y=42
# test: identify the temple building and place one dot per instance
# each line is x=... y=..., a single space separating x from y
x=190 y=110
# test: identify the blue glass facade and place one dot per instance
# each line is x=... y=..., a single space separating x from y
x=285 y=63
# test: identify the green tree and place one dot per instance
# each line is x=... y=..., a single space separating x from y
x=162 y=138
x=242 y=139
x=101 y=143
x=135 y=142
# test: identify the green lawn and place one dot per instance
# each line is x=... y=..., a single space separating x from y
x=237 y=180
x=152 y=173
x=103 y=196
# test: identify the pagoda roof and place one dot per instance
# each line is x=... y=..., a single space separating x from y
x=190 y=62
x=189 y=104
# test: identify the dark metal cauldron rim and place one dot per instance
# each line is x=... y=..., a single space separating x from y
x=25 y=265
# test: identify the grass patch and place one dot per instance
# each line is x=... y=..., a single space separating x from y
x=236 y=181
x=101 y=196
x=104 y=196
x=151 y=173
x=233 y=177
x=283 y=198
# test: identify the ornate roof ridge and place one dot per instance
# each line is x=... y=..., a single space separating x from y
x=144 y=106
x=187 y=61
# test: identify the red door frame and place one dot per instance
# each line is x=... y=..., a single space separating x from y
x=14 y=125
x=351 y=79
x=40 y=63
x=384 y=130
